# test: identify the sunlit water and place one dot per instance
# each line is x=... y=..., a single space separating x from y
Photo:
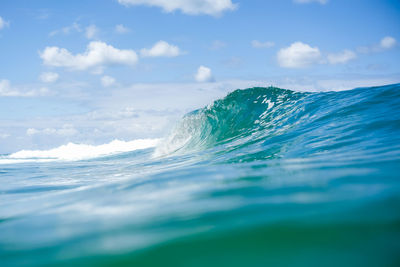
x=263 y=177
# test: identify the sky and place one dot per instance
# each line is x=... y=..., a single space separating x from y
x=92 y=71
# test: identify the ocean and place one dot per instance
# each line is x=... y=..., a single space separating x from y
x=262 y=177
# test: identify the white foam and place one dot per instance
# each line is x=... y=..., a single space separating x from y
x=73 y=152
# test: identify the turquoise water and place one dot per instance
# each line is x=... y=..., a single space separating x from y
x=263 y=177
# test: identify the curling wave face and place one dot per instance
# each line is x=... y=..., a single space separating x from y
x=271 y=122
x=242 y=114
x=262 y=177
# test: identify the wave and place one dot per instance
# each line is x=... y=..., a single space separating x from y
x=268 y=122
x=261 y=170
x=239 y=114
x=259 y=118
x=74 y=152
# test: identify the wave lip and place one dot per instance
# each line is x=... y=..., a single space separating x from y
x=74 y=152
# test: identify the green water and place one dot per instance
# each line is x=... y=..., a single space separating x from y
x=263 y=177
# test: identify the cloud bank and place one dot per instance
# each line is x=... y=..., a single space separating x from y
x=66 y=130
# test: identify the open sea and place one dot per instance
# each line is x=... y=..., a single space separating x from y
x=262 y=177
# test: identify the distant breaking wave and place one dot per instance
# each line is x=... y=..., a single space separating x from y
x=72 y=152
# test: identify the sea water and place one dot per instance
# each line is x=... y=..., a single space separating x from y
x=262 y=177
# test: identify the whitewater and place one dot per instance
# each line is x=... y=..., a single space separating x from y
x=261 y=177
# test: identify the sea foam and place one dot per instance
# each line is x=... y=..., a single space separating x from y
x=73 y=152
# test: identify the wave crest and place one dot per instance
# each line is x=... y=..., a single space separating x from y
x=240 y=114
x=258 y=118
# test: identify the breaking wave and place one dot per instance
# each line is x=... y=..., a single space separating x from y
x=262 y=177
x=295 y=124
x=73 y=152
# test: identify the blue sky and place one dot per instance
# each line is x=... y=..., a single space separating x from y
x=93 y=71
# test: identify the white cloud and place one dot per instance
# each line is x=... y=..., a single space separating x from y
x=217 y=44
x=204 y=74
x=91 y=31
x=4 y=135
x=348 y=84
x=32 y=131
x=388 y=42
x=66 y=130
x=97 y=55
x=233 y=62
x=339 y=83
x=3 y=23
x=323 y=2
x=42 y=14
x=258 y=44
x=121 y=29
x=49 y=77
x=7 y=90
x=190 y=7
x=298 y=55
x=67 y=30
x=107 y=81
x=161 y=49
x=342 y=57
